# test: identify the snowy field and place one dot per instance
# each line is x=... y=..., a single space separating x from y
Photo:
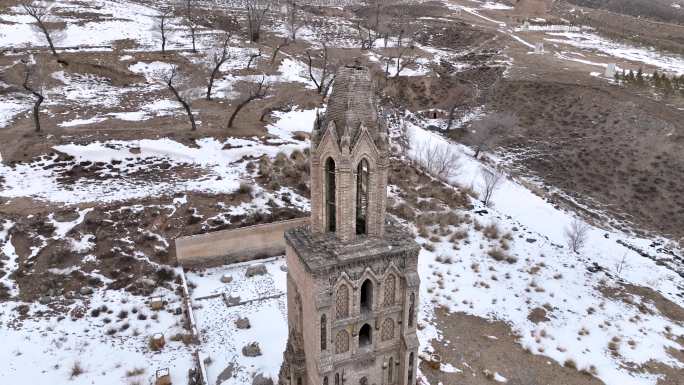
x=221 y=162
x=110 y=348
x=546 y=274
x=266 y=309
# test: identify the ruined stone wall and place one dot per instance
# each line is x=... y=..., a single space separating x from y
x=236 y=245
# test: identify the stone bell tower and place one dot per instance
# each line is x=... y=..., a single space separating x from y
x=352 y=282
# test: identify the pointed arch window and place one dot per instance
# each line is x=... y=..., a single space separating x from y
x=411 y=311
x=342 y=342
x=330 y=206
x=387 y=329
x=389 y=289
x=410 y=369
x=324 y=332
x=362 y=174
x=342 y=302
x=390 y=370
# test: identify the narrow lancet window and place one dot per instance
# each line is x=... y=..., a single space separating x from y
x=362 y=197
x=330 y=193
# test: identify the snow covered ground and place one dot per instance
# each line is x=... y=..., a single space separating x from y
x=110 y=348
x=266 y=310
x=114 y=20
x=543 y=273
x=220 y=160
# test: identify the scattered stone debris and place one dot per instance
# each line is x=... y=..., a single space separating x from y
x=156 y=303
x=251 y=350
x=230 y=300
x=163 y=377
x=257 y=269
x=157 y=341
x=243 y=323
x=226 y=278
x=259 y=379
x=86 y=290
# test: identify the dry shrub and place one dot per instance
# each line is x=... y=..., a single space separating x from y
x=76 y=369
x=570 y=363
x=491 y=231
x=404 y=211
x=280 y=159
x=265 y=167
x=245 y=188
x=135 y=372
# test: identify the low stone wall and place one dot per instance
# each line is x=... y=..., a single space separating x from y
x=236 y=245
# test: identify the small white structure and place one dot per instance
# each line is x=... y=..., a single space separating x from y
x=162 y=377
x=539 y=48
x=526 y=26
x=156 y=303
x=610 y=70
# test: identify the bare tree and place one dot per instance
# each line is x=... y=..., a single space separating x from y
x=438 y=159
x=491 y=180
x=252 y=58
x=192 y=20
x=621 y=265
x=162 y=26
x=33 y=83
x=285 y=42
x=403 y=59
x=218 y=56
x=184 y=101
x=41 y=13
x=486 y=131
x=327 y=72
x=256 y=91
x=256 y=13
x=576 y=235
x=293 y=21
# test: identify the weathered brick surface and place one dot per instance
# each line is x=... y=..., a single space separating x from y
x=323 y=265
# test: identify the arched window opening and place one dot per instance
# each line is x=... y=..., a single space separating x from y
x=325 y=380
x=362 y=197
x=330 y=193
x=324 y=333
x=365 y=336
x=410 y=369
x=367 y=296
x=342 y=342
x=337 y=379
x=342 y=302
x=389 y=289
x=299 y=381
x=390 y=370
x=387 y=329
x=412 y=305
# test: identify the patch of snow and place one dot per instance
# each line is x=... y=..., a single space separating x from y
x=649 y=56
x=563 y=281
x=82 y=122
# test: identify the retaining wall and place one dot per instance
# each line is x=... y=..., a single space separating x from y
x=235 y=245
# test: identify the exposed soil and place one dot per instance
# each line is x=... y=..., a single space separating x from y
x=480 y=348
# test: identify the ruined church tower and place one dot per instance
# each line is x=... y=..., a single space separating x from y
x=352 y=282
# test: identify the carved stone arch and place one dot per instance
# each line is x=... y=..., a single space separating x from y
x=389 y=289
x=330 y=141
x=343 y=306
x=364 y=137
x=369 y=275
